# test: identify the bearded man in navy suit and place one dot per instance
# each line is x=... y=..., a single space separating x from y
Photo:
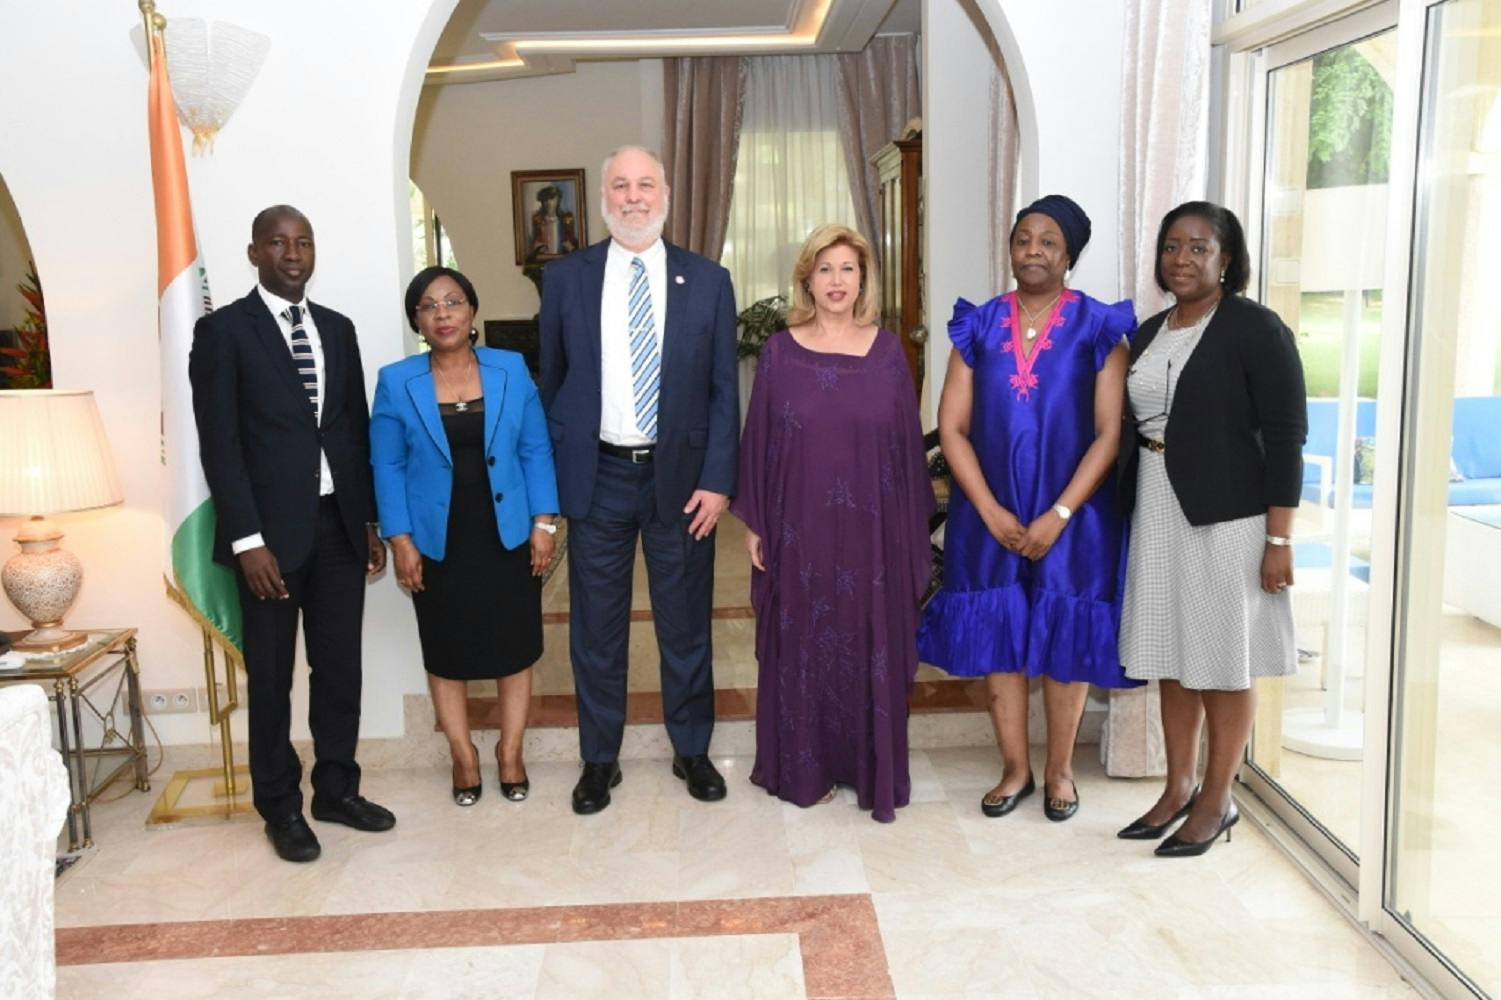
x=640 y=388
x=283 y=434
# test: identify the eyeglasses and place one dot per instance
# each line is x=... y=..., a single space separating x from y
x=428 y=308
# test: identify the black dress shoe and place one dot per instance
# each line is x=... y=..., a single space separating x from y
x=293 y=839
x=996 y=806
x=1176 y=847
x=356 y=811
x=1059 y=810
x=592 y=793
x=704 y=783
x=1142 y=830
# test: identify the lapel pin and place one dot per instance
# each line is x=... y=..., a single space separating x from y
x=678 y=279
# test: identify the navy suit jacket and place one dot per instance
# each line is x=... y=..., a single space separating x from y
x=413 y=465
x=258 y=439
x=698 y=408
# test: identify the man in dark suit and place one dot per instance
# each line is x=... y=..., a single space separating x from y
x=639 y=384
x=283 y=432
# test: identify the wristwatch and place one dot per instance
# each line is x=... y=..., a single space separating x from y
x=551 y=527
x=1063 y=512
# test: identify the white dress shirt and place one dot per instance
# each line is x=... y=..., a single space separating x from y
x=617 y=413
x=279 y=307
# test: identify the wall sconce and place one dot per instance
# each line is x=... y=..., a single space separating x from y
x=211 y=66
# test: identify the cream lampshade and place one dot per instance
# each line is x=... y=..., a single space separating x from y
x=54 y=459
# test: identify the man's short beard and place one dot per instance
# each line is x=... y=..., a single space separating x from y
x=644 y=234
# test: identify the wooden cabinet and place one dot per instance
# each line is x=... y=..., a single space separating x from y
x=899 y=237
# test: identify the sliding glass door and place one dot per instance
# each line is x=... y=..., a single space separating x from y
x=1443 y=869
x=1322 y=250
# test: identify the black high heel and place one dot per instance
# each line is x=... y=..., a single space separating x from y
x=469 y=796
x=514 y=791
x=1176 y=847
x=1139 y=830
x=995 y=808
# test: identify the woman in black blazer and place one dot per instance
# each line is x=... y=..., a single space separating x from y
x=1211 y=462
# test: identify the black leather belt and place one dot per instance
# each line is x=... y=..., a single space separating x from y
x=640 y=455
x=1145 y=442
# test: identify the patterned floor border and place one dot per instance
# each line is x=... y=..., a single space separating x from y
x=840 y=940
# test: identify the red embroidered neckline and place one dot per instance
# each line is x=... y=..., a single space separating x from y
x=1024 y=380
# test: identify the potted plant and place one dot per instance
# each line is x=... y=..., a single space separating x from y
x=758 y=321
x=30 y=364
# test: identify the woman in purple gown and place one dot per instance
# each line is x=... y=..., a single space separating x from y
x=835 y=495
x=1030 y=424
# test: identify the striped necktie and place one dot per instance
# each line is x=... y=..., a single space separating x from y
x=646 y=362
x=302 y=354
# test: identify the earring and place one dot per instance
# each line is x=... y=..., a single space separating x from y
x=473 y=335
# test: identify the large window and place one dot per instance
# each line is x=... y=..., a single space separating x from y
x=790 y=173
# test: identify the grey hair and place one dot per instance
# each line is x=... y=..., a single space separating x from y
x=604 y=168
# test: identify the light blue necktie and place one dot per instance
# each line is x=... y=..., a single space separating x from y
x=646 y=362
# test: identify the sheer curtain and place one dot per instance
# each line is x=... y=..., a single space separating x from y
x=1005 y=155
x=790 y=175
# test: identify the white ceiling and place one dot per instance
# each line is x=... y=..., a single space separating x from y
x=498 y=39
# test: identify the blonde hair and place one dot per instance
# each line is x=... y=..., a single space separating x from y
x=867 y=303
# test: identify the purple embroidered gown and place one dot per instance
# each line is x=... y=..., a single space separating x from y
x=1031 y=422
x=833 y=478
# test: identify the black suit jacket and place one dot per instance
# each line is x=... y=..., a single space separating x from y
x=1239 y=418
x=257 y=437
x=698 y=408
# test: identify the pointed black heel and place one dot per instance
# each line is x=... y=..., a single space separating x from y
x=1139 y=830
x=1175 y=847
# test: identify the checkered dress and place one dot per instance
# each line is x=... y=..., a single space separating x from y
x=1194 y=610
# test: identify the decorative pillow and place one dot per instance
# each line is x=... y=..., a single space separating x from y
x=1365 y=461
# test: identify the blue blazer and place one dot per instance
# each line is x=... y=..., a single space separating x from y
x=698 y=409
x=413 y=466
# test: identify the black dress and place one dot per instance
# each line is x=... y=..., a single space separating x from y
x=479 y=614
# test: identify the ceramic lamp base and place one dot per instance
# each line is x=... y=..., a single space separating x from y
x=42 y=581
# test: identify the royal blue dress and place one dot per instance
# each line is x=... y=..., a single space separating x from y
x=1031 y=422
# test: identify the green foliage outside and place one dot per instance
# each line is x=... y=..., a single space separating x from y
x=1321 y=323
x=758 y=321
x=1349 y=122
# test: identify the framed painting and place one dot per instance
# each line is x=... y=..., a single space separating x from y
x=549 y=214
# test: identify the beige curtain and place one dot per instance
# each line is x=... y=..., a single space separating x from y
x=878 y=94
x=1164 y=137
x=1005 y=152
x=701 y=136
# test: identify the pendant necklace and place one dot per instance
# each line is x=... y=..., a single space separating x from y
x=1032 y=317
x=460 y=406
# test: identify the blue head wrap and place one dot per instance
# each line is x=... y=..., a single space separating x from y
x=1070 y=218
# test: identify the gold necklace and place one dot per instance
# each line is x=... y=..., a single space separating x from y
x=1032 y=316
x=459 y=404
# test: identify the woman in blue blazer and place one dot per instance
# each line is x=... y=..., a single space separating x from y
x=466 y=493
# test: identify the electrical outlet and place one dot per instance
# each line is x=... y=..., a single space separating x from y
x=171 y=700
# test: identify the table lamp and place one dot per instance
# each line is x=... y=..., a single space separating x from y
x=54 y=459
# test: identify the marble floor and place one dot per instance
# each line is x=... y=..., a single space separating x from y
x=662 y=896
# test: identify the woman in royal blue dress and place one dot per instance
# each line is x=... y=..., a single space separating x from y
x=1030 y=423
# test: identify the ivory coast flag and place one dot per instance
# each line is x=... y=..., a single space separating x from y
x=205 y=588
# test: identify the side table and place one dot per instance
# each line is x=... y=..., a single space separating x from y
x=72 y=677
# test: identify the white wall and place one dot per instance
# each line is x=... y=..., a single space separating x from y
x=1067 y=85
x=14 y=254
x=326 y=127
x=469 y=137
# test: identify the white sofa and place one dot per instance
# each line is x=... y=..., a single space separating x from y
x=33 y=804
